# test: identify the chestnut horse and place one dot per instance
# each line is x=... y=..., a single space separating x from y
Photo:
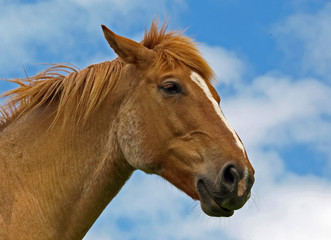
x=69 y=139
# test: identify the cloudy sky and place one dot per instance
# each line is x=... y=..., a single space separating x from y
x=273 y=64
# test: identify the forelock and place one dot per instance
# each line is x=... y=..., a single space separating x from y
x=174 y=49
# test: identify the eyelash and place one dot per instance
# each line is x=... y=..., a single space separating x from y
x=171 y=88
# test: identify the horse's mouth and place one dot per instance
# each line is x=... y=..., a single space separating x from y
x=209 y=205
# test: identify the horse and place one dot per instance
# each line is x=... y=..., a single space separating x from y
x=70 y=138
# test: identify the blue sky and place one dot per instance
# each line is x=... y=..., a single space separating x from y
x=272 y=60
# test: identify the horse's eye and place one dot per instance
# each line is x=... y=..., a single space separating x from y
x=171 y=88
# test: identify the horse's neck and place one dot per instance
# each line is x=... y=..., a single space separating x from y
x=57 y=182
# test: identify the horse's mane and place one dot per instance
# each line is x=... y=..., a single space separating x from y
x=79 y=93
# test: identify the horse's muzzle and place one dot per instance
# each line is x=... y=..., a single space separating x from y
x=229 y=192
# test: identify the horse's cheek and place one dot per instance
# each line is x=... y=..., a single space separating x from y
x=131 y=139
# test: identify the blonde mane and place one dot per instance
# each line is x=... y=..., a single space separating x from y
x=79 y=93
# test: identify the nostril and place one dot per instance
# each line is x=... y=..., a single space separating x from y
x=230 y=175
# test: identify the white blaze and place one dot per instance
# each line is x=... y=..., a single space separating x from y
x=202 y=84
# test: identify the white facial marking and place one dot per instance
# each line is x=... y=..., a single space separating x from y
x=202 y=84
x=245 y=176
x=242 y=184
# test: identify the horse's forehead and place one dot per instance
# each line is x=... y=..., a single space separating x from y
x=205 y=85
x=198 y=80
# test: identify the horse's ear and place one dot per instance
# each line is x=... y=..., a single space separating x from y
x=127 y=49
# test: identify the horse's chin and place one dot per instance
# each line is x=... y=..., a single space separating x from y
x=209 y=206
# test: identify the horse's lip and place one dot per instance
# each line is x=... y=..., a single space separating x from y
x=208 y=203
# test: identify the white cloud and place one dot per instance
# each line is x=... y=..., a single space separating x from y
x=279 y=110
x=298 y=208
x=228 y=68
x=69 y=30
x=306 y=38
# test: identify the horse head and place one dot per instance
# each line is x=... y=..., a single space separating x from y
x=171 y=124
